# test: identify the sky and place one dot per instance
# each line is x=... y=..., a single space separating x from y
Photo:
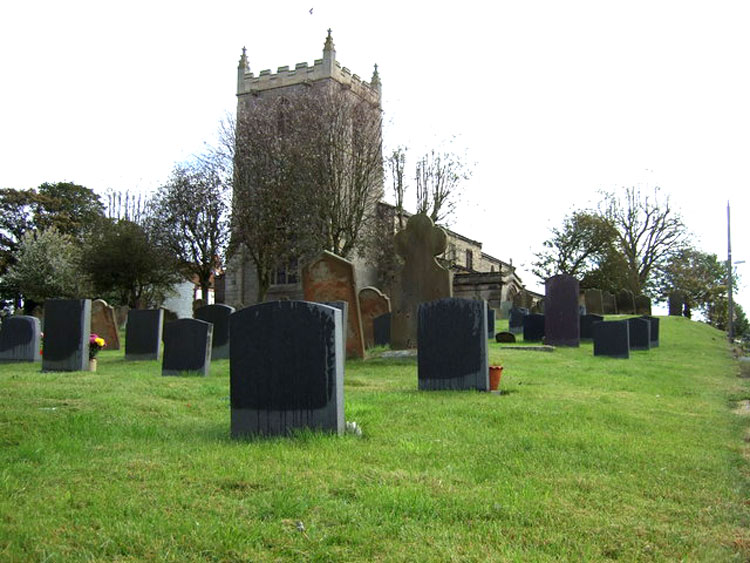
x=549 y=102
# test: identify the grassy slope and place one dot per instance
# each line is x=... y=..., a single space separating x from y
x=580 y=457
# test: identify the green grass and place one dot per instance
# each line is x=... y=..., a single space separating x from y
x=579 y=458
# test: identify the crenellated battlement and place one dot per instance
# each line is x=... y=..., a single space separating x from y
x=326 y=68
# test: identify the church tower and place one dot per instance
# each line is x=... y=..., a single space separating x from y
x=325 y=73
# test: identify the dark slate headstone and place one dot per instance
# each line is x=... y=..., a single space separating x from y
x=626 y=302
x=381 y=327
x=640 y=333
x=342 y=306
x=533 y=328
x=143 y=334
x=608 y=303
x=20 y=339
x=642 y=305
x=654 y=330
x=452 y=344
x=561 y=324
x=286 y=368
x=594 y=301
x=187 y=347
x=490 y=322
x=676 y=303
x=217 y=315
x=515 y=319
x=505 y=337
x=611 y=338
x=67 y=327
x=587 y=323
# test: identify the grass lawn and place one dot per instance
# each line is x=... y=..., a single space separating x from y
x=579 y=458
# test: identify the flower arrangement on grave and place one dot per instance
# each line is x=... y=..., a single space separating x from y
x=96 y=343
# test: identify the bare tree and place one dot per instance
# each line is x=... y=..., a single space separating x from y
x=189 y=215
x=344 y=147
x=649 y=232
x=438 y=180
x=396 y=164
x=307 y=175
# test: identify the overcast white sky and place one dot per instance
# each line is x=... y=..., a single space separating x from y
x=551 y=100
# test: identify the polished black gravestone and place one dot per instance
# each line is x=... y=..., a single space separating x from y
x=217 y=315
x=381 y=329
x=490 y=322
x=286 y=368
x=640 y=333
x=187 y=347
x=654 y=330
x=452 y=343
x=587 y=324
x=342 y=306
x=143 y=334
x=515 y=319
x=67 y=327
x=20 y=339
x=611 y=338
x=505 y=338
x=561 y=323
x=533 y=328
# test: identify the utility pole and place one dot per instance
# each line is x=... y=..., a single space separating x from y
x=730 y=301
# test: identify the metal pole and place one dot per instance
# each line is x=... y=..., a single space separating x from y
x=730 y=320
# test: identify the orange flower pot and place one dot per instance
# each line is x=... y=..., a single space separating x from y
x=495 y=373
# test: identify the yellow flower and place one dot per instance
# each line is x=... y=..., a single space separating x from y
x=99 y=342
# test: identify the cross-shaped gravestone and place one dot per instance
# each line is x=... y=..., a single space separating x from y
x=421 y=278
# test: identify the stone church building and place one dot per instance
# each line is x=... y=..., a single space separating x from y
x=476 y=274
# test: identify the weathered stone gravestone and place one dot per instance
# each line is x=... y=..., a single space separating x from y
x=515 y=320
x=286 y=369
x=561 y=322
x=654 y=330
x=121 y=315
x=331 y=278
x=143 y=334
x=640 y=333
x=594 y=301
x=642 y=305
x=533 y=328
x=20 y=339
x=505 y=307
x=421 y=279
x=382 y=329
x=625 y=302
x=523 y=300
x=490 y=322
x=608 y=303
x=611 y=338
x=505 y=337
x=372 y=304
x=187 y=347
x=452 y=344
x=104 y=323
x=67 y=327
x=217 y=315
x=587 y=325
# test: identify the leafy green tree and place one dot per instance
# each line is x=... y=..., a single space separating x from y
x=578 y=248
x=47 y=267
x=717 y=315
x=16 y=218
x=189 y=215
x=699 y=276
x=123 y=260
x=70 y=208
